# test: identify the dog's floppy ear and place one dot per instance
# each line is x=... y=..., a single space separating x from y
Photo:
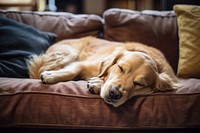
x=109 y=61
x=165 y=82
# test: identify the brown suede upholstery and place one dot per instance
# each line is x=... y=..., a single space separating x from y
x=30 y=106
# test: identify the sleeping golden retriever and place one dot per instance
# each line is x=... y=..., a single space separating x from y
x=118 y=71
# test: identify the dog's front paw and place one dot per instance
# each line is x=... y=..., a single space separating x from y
x=94 y=85
x=47 y=77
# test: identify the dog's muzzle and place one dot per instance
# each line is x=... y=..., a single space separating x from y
x=114 y=93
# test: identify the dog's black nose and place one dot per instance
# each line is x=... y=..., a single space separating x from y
x=114 y=93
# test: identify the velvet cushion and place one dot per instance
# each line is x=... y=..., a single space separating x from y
x=189 y=43
x=17 y=42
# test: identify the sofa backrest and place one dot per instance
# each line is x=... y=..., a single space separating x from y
x=65 y=25
x=154 y=28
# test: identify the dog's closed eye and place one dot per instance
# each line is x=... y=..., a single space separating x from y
x=137 y=84
x=121 y=69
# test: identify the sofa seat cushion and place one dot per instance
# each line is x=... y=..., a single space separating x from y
x=154 y=28
x=29 y=103
x=64 y=24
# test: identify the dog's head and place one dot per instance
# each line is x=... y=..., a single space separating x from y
x=127 y=74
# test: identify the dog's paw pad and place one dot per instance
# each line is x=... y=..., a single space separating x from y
x=47 y=77
x=91 y=90
x=42 y=79
x=94 y=85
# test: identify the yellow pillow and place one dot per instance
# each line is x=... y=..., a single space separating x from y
x=189 y=40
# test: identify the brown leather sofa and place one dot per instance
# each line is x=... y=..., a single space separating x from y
x=27 y=105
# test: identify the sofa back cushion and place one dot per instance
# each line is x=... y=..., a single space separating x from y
x=65 y=25
x=154 y=28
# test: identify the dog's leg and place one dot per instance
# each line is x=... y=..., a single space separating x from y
x=68 y=73
x=57 y=60
x=51 y=61
x=94 y=85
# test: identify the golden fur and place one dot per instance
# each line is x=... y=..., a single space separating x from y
x=118 y=71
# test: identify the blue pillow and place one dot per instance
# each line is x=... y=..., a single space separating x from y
x=18 y=42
